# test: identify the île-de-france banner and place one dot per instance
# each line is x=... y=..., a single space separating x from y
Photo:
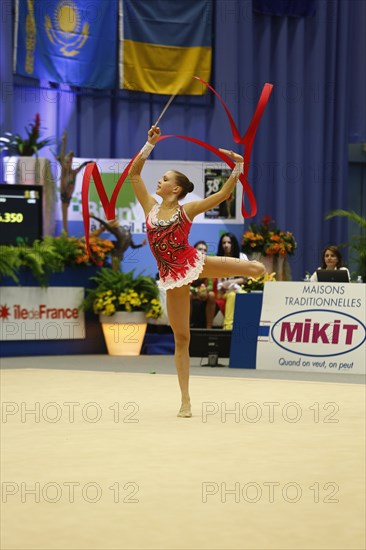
x=33 y=313
x=163 y=44
x=313 y=327
x=67 y=41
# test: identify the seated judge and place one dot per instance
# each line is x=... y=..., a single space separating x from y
x=331 y=259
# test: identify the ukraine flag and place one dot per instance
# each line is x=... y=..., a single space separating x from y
x=164 y=43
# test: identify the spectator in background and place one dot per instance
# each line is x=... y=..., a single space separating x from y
x=331 y=259
x=226 y=289
x=203 y=299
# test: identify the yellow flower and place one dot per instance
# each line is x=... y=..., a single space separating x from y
x=109 y=310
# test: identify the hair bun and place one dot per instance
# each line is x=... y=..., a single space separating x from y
x=191 y=187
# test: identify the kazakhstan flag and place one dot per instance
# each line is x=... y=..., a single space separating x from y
x=164 y=43
x=68 y=41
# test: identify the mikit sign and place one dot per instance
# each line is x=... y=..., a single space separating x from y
x=313 y=327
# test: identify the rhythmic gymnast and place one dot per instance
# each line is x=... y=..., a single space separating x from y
x=167 y=226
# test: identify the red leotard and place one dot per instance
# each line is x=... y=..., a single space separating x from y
x=179 y=263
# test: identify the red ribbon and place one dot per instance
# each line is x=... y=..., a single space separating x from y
x=247 y=140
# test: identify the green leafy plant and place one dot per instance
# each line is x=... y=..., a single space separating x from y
x=117 y=291
x=267 y=239
x=10 y=262
x=51 y=255
x=41 y=259
x=357 y=244
x=14 y=144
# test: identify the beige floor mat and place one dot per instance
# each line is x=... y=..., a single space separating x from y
x=103 y=462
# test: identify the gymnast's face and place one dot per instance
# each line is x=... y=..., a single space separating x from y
x=166 y=184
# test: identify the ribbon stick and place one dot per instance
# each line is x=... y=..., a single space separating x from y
x=165 y=108
x=246 y=140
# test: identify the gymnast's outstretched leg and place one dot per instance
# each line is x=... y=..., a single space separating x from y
x=224 y=266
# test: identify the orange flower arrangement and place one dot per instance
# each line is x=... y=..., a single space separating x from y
x=268 y=240
x=100 y=248
x=73 y=250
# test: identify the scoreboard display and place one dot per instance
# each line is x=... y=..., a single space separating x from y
x=20 y=213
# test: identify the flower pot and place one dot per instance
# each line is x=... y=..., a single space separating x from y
x=10 y=169
x=124 y=332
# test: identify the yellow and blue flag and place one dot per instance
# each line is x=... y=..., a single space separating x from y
x=164 y=43
x=68 y=41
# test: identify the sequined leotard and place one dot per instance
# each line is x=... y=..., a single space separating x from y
x=179 y=263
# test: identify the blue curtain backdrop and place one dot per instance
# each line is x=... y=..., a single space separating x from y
x=299 y=161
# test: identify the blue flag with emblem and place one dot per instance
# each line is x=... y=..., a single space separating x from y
x=164 y=43
x=68 y=41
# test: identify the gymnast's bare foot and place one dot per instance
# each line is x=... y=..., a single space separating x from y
x=185 y=410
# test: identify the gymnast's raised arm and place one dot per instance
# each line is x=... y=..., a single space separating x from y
x=146 y=200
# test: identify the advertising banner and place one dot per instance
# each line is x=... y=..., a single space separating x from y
x=313 y=327
x=33 y=313
x=206 y=177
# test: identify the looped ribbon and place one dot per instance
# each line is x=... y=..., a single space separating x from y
x=247 y=140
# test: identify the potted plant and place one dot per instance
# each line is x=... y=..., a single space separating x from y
x=51 y=255
x=123 y=302
x=269 y=244
x=15 y=145
x=22 y=167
